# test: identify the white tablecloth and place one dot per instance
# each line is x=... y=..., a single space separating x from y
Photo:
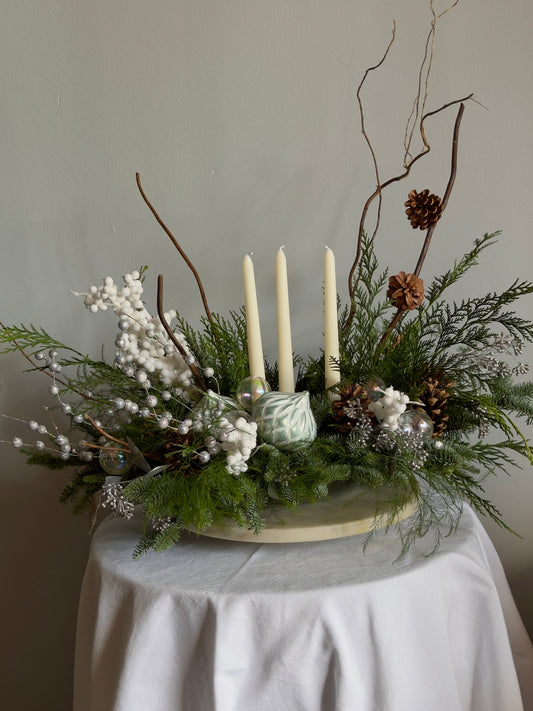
x=213 y=625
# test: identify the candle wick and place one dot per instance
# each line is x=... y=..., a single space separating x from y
x=282 y=247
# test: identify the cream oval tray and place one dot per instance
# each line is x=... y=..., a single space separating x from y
x=346 y=512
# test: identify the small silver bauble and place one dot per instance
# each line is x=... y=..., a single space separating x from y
x=416 y=422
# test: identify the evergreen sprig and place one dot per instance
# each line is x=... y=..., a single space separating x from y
x=176 y=488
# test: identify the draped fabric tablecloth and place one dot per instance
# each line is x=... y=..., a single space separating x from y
x=215 y=625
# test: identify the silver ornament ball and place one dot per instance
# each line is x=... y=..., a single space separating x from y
x=416 y=422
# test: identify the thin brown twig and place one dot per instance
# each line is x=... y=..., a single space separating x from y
x=178 y=247
x=449 y=187
x=363 y=127
x=104 y=433
x=416 y=111
x=161 y=313
x=419 y=103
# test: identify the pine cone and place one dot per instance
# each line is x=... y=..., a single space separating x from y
x=435 y=398
x=406 y=291
x=423 y=209
x=350 y=405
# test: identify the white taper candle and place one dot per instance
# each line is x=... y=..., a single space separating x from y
x=285 y=364
x=253 y=327
x=331 y=327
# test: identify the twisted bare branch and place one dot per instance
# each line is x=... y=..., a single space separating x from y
x=409 y=160
x=449 y=187
x=178 y=247
x=161 y=313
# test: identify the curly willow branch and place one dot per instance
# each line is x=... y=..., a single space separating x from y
x=161 y=313
x=419 y=103
x=363 y=127
x=178 y=247
x=420 y=100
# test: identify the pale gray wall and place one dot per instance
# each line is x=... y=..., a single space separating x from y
x=240 y=116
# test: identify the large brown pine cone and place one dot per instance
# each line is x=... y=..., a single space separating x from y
x=435 y=397
x=406 y=291
x=423 y=209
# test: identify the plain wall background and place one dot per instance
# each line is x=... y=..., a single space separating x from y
x=240 y=116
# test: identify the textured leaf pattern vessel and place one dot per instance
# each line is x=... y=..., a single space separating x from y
x=285 y=419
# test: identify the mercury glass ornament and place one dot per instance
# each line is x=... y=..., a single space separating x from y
x=285 y=419
x=249 y=389
x=416 y=422
x=114 y=460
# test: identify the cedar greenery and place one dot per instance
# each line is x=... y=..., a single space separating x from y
x=437 y=337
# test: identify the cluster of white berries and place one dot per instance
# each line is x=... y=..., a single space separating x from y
x=54 y=442
x=237 y=437
x=230 y=430
x=142 y=342
x=389 y=407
